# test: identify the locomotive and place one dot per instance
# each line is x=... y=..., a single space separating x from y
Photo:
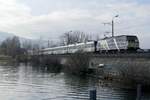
x=108 y=44
x=119 y=43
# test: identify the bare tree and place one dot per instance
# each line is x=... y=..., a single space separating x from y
x=27 y=45
x=11 y=46
x=72 y=37
x=52 y=43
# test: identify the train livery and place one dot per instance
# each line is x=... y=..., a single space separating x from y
x=109 y=44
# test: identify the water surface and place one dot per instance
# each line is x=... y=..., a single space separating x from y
x=25 y=82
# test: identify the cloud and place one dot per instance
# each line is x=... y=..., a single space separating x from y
x=11 y=14
x=58 y=17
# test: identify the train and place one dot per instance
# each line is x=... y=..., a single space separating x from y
x=121 y=43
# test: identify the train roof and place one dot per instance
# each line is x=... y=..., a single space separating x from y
x=70 y=45
x=119 y=36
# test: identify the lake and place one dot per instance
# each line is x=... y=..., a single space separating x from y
x=25 y=82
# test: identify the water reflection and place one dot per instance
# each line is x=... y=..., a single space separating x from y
x=25 y=82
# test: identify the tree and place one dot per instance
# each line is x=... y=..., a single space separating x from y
x=27 y=45
x=11 y=46
x=73 y=37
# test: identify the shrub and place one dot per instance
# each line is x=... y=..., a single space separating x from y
x=77 y=64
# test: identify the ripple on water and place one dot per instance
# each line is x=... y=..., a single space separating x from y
x=27 y=83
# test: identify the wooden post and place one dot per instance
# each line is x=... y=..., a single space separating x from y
x=139 y=90
x=93 y=94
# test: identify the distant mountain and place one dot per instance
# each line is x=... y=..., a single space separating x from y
x=4 y=35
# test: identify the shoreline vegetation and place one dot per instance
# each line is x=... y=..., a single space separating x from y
x=4 y=60
x=130 y=73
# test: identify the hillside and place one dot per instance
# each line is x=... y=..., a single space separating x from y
x=4 y=35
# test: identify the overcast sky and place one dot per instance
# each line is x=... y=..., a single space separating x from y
x=51 y=18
